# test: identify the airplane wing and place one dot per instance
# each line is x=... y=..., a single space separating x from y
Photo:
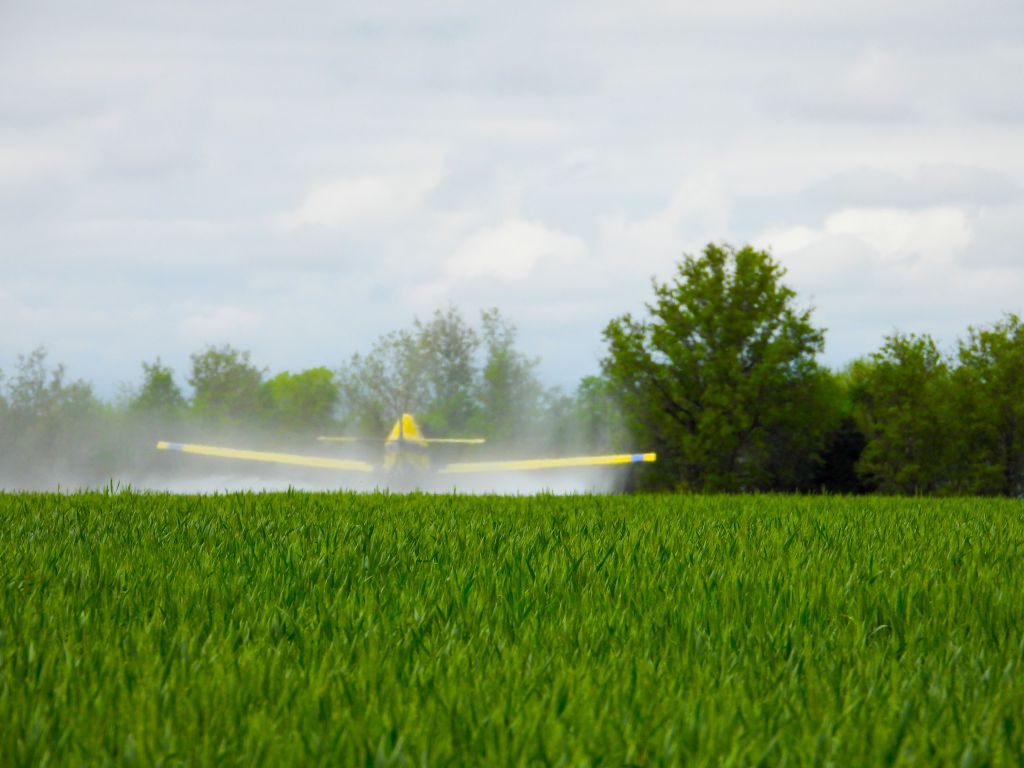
x=530 y=464
x=341 y=439
x=265 y=456
x=428 y=440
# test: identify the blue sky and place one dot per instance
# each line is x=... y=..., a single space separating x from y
x=297 y=180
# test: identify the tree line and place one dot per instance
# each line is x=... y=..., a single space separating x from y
x=720 y=376
x=460 y=378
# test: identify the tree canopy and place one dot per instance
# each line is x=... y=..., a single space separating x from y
x=459 y=380
x=303 y=402
x=900 y=395
x=159 y=394
x=721 y=377
x=989 y=387
x=227 y=386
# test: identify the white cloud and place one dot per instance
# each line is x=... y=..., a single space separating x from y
x=870 y=271
x=512 y=250
x=886 y=241
x=357 y=202
x=696 y=213
x=934 y=233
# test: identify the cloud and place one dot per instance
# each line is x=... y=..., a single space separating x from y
x=932 y=235
x=512 y=250
x=871 y=271
x=927 y=186
x=874 y=85
x=882 y=246
x=696 y=213
x=997 y=239
x=299 y=181
x=358 y=202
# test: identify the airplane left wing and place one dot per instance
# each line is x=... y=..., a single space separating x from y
x=531 y=464
x=266 y=456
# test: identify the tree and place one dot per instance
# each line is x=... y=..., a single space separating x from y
x=435 y=371
x=304 y=402
x=989 y=398
x=227 y=386
x=596 y=418
x=587 y=421
x=160 y=396
x=448 y=349
x=509 y=391
x=844 y=446
x=900 y=397
x=378 y=387
x=41 y=394
x=51 y=424
x=722 y=372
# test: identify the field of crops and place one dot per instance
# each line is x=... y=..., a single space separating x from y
x=395 y=630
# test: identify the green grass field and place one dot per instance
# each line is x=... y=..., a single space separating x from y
x=397 y=630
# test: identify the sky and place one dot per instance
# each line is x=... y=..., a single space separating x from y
x=298 y=179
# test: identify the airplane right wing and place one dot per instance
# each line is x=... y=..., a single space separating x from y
x=531 y=464
x=266 y=456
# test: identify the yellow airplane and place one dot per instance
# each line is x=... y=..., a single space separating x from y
x=405 y=455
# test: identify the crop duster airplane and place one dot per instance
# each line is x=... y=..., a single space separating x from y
x=405 y=456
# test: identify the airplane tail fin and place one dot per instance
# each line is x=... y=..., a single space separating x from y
x=406 y=429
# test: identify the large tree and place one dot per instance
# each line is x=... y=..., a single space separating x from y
x=389 y=380
x=41 y=396
x=159 y=397
x=228 y=387
x=458 y=379
x=509 y=392
x=448 y=349
x=901 y=398
x=989 y=384
x=721 y=378
x=303 y=402
x=50 y=424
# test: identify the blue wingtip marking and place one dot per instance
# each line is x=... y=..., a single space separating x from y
x=175 y=446
x=636 y=458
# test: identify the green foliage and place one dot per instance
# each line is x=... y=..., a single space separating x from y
x=380 y=630
x=43 y=406
x=989 y=397
x=901 y=395
x=435 y=370
x=384 y=383
x=509 y=392
x=448 y=348
x=303 y=402
x=159 y=396
x=41 y=393
x=722 y=379
x=51 y=426
x=593 y=419
x=227 y=386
